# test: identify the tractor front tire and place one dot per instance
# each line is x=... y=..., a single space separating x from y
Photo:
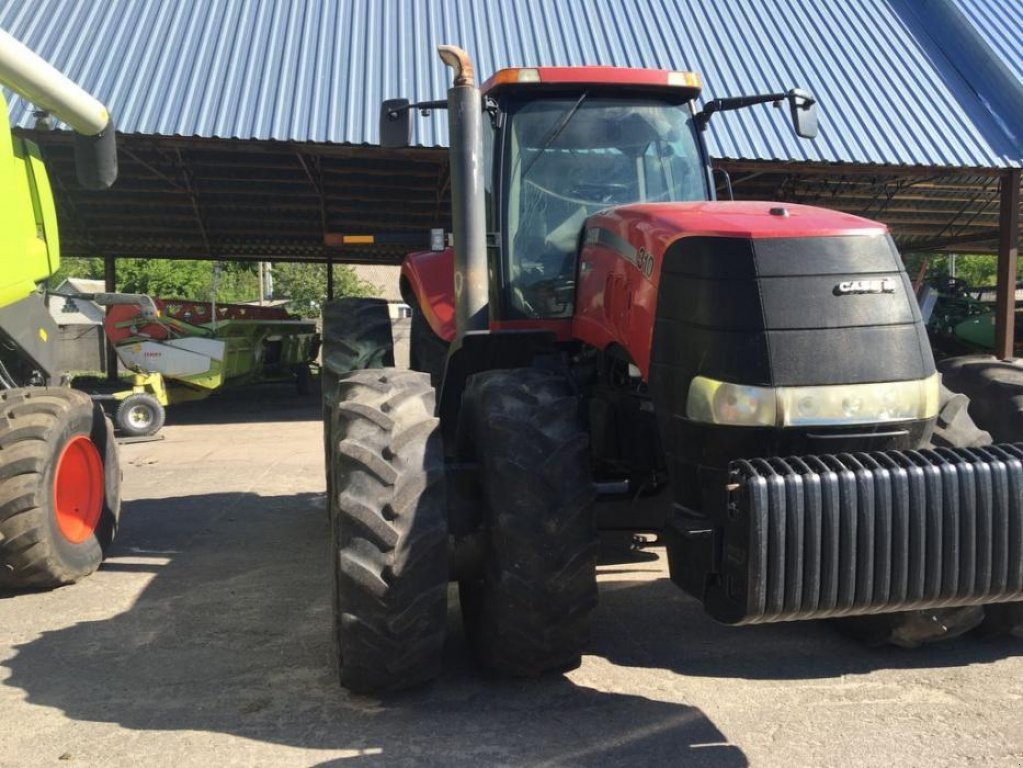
x=389 y=531
x=140 y=415
x=59 y=487
x=530 y=612
x=954 y=428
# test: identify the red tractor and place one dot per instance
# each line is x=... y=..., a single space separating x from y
x=607 y=347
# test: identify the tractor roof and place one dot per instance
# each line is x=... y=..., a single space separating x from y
x=596 y=76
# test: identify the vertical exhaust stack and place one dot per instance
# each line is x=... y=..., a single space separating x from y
x=30 y=76
x=465 y=116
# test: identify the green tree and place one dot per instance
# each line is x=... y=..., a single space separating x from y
x=171 y=278
x=306 y=285
x=91 y=269
x=978 y=270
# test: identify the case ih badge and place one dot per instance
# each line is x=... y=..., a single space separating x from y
x=885 y=285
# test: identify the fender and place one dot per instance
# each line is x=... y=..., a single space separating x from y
x=429 y=276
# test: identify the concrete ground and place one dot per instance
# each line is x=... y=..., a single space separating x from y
x=204 y=641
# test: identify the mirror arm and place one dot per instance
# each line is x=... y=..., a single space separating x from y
x=423 y=106
x=735 y=102
x=741 y=102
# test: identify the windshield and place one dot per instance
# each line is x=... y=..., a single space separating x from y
x=571 y=157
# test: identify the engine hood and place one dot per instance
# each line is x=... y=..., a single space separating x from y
x=665 y=222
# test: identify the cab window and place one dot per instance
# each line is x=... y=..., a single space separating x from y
x=573 y=156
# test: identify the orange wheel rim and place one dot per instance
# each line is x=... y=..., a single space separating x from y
x=78 y=489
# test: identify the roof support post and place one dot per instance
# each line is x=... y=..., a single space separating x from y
x=1008 y=253
x=330 y=275
x=110 y=284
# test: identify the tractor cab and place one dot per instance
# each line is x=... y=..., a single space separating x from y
x=565 y=143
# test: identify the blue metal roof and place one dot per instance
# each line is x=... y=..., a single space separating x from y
x=316 y=70
x=1000 y=24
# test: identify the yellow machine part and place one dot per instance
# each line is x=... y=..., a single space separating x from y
x=29 y=246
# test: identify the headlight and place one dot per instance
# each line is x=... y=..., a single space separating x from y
x=719 y=402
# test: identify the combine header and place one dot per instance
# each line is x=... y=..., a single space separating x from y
x=186 y=350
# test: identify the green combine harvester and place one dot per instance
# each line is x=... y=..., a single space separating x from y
x=59 y=471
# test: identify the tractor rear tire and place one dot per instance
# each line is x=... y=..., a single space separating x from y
x=995 y=389
x=428 y=352
x=955 y=428
x=530 y=612
x=389 y=531
x=140 y=415
x=1003 y=619
x=356 y=335
x=303 y=380
x=59 y=487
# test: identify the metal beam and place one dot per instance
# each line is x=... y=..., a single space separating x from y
x=1008 y=253
x=980 y=236
x=110 y=285
x=330 y=276
x=803 y=168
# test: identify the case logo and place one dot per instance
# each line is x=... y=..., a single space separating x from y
x=884 y=285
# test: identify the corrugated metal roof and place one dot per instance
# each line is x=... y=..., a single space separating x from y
x=1000 y=23
x=316 y=70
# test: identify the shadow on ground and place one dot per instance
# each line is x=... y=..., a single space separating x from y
x=253 y=404
x=653 y=624
x=231 y=636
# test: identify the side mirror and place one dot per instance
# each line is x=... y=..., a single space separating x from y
x=395 y=123
x=804 y=113
x=96 y=158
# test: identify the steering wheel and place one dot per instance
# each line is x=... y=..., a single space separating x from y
x=588 y=193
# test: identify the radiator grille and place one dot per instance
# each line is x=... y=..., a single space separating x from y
x=835 y=535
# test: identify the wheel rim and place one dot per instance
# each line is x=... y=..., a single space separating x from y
x=78 y=489
x=140 y=416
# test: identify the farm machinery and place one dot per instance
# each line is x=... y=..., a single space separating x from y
x=181 y=350
x=609 y=348
x=59 y=472
x=961 y=318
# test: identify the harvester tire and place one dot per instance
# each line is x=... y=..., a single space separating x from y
x=954 y=428
x=389 y=531
x=140 y=415
x=529 y=614
x=59 y=487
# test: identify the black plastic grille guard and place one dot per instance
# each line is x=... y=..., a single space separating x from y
x=839 y=535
